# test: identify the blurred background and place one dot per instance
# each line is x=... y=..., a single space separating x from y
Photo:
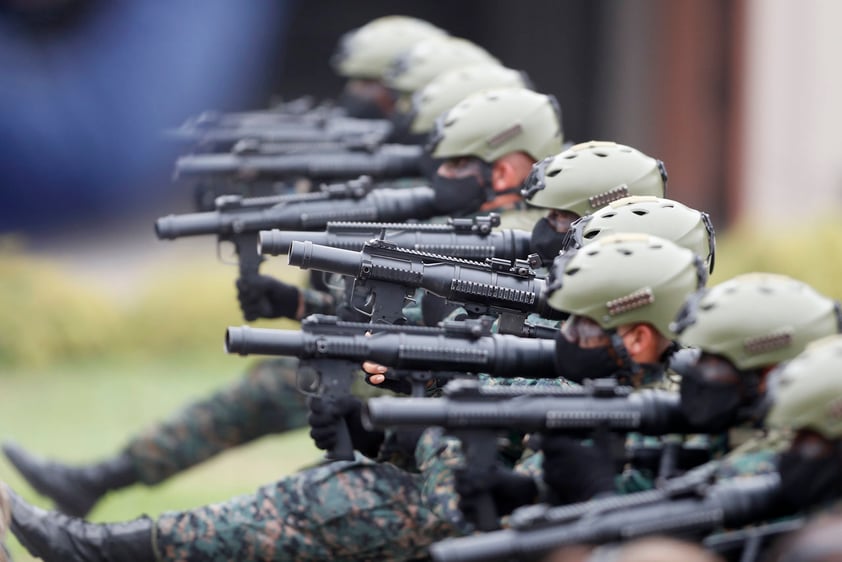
x=104 y=328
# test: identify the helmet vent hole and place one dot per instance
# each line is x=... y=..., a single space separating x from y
x=625 y=251
x=570 y=156
x=592 y=252
x=601 y=154
x=592 y=234
x=450 y=122
x=707 y=306
x=572 y=271
x=554 y=173
x=640 y=212
x=609 y=215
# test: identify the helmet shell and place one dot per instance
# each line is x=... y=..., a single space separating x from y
x=626 y=278
x=428 y=58
x=758 y=319
x=493 y=123
x=590 y=175
x=808 y=390
x=648 y=214
x=366 y=52
x=452 y=86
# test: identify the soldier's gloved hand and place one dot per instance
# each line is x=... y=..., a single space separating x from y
x=509 y=490
x=576 y=472
x=266 y=297
x=325 y=414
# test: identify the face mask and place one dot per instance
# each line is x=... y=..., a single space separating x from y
x=359 y=107
x=807 y=482
x=460 y=196
x=546 y=242
x=577 y=364
x=708 y=406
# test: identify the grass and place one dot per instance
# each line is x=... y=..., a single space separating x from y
x=85 y=410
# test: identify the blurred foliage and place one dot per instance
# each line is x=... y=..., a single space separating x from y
x=47 y=315
x=809 y=250
x=51 y=316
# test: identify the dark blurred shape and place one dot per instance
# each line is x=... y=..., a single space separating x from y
x=88 y=87
x=819 y=541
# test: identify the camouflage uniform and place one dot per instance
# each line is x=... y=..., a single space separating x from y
x=354 y=510
x=265 y=401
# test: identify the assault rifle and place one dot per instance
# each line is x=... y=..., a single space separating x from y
x=239 y=220
x=466 y=238
x=686 y=507
x=477 y=414
x=387 y=276
x=333 y=351
x=384 y=161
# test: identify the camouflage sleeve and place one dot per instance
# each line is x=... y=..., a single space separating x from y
x=318 y=302
x=437 y=456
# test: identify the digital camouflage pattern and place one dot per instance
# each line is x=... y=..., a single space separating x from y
x=354 y=510
x=265 y=401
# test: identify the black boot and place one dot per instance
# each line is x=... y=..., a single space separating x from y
x=53 y=536
x=74 y=490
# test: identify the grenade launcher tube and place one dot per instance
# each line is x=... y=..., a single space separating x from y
x=496 y=354
x=507 y=244
x=379 y=204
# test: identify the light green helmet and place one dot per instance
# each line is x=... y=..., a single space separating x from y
x=626 y=278
x=590 y=175
x=452 y=86
x=366 y=52
x=493 y=123
x=757 y=319
x=808 y=390
x=647 y=214
x=415 y=68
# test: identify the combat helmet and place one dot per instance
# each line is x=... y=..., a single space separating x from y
x=493 y=123
x=366 y=52
x=756 y=320
x=588 y=176
x=428 y=58
x=626 y=278
x=648 y=214
x=808 y=390
x=452 y=86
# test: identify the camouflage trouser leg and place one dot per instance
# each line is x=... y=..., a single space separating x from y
x=265 y=401
x=355 y=510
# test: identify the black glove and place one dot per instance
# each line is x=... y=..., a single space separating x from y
x=576 y=472
x=266 y=297
x=509 y=490
x=325 y=414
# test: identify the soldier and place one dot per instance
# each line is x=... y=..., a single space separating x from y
x=744 y=328
x=619 y=327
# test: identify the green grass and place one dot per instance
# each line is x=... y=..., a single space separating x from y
x=85 y=410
